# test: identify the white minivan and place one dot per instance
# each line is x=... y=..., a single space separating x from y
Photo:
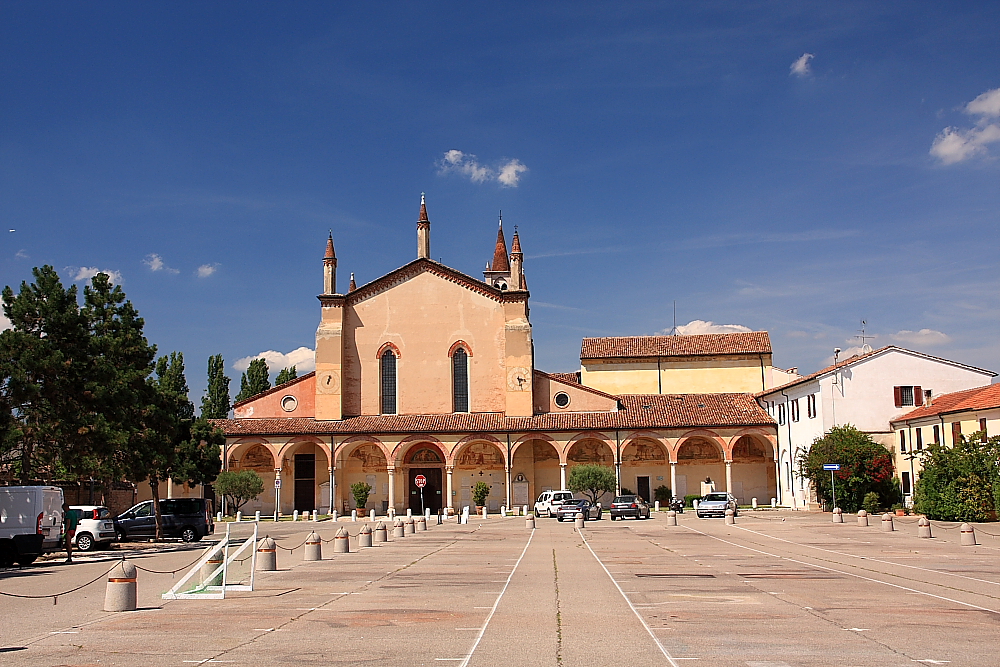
x=31 y=519
x=549 y=502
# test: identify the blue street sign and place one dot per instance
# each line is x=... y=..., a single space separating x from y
x=831 y=466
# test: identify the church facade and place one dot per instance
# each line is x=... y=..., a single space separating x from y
x=428 y=371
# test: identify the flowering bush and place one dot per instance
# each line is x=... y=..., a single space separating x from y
x=865 y=467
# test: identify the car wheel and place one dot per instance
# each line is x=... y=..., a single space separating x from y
x=25 y=561
x=188 y=534
x=120 y=536
x=84 y=542
x=612 y=517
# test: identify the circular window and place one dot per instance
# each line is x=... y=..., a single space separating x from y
x=561 y=399
x=289 y=403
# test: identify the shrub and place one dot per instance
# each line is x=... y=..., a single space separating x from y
x=865 y=467
x=871 y=503
x=360 y=491
x=960 y=483
x=690 y=498
x=593 y=480
x=480 y=492
x=239 y=487
x=627 y=491
x=662 y=494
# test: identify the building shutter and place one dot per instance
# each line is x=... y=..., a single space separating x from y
x=918 y=396
x=897 y=396
x=956 y=432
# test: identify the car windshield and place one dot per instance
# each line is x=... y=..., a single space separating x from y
x=578 y=503
x=625 y=499
x=716 y=497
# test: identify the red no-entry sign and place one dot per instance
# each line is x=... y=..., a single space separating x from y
x=420 y=481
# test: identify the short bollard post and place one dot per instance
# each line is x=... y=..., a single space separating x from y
x=524 y=510
x=862 y=518
x=218 y=517
x=239 y=517
x=427 y=514
x=486 y=512
x=267 y=555
x=333 y=515
x=730 y=517
x=398 y=529
x=410 y=524
x=967 y=535
x=838 y=515
x=923 y=527
x=579 y=523
x=354 y=515
x=421 y=522
x=529 y=522
x=656 y=506
x=120 y=594
x=315 y=515
x=381 y=534
x=371 y=515
x=753 y=503
x=210 y=566
x=672 y=518
x=391 y=513
x=440 y=518
x=256 y=516
x=342 y=542
x=365 y=536
x=887 y=526
x=503 y=510
x=409 y=512
x=774 y=503
x=314 y=547
x=295 y=515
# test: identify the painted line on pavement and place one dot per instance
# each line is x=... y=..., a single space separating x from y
x=631 y=606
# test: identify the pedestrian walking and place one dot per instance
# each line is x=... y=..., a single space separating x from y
x=71 y=519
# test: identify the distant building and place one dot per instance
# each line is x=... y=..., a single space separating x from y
x=943 y=420
x=869 y=391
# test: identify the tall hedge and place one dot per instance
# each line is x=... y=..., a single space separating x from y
x=865 y=467
x=960 y=483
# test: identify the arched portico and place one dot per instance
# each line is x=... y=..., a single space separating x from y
x=535 y=467
x=423 y=456
x=753 y=469
x=363 y=460
x=260 y=456
x=644 y=466
x=700 y=465
x=588 y=450
x=481 y=460
x=304 y=464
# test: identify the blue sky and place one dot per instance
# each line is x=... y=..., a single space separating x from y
x=795 y=167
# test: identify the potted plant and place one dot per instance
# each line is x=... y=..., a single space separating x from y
x=360 y=491
x=479 y=494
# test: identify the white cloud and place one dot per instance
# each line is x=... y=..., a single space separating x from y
x=801 y=66
x=155 y=263
x=955 y=144
x=205 y=270
x=706 y=327
x=924 y=337
x=4 y=322
x=507 y=174
x=303 y=358
x=88 y=272
x=20 y=254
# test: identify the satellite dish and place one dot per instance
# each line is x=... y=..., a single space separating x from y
x=866 y=348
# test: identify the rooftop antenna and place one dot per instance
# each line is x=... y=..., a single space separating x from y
x=673 y=331
x=865 y=347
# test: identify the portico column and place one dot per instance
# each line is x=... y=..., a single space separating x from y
x=277 y=492
x=449 y=503
x=673 y=477
x=333 y=491
x=729 y=476
x=618 y=478
x=392 y=488
x=507 y=470
x=562 y=475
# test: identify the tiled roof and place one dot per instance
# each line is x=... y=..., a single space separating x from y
x=980 y=398
x=639 y=411
x=500 y=261
x=753 y=342
x=572 y=378
x=275 y=388
x=416 y=267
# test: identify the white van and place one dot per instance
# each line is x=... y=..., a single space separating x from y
x=549 y=502
x=31 y=519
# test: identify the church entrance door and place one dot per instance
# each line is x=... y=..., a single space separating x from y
x=305 y=482
x=432 y=492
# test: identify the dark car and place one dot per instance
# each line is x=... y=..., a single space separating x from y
x=570 y=508
x=190 y=519
x=633 y=506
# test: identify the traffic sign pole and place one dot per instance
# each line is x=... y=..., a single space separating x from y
x=832 y=467
x=421 y=482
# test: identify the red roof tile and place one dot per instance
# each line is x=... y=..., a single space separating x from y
x=500 y=260
x=572 y=378
x=980 y=398
x=630 y=347
x=275 y=388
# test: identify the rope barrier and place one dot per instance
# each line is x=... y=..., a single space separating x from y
x=55 y=596
x=170 y=572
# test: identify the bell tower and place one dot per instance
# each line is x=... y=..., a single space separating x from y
x=497 y=272
x=329 y=341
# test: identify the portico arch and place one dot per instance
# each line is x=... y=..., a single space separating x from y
x=534 y=468
x=305 y=464
x=425 y=457
x=259 y=456
x=480 y=460
x=363 y=460
x=753 y=469
x=644 y=466
x=590 y=451
x=700 y=465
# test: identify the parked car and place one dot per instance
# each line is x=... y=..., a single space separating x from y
x=31 y=519
x=570 y=508
x=549 y=502
x=633 y=506
x=187 y=518
x=96 y=527
x=716 y=504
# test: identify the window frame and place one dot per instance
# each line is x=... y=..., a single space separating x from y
x=388 y=352
x=455 y=380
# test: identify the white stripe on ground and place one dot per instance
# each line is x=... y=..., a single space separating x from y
x=849 y=574
x=631 y=606
x=493 y=609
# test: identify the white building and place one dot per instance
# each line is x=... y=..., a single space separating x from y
x=867 y=391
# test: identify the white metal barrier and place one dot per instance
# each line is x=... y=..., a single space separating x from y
x=224 y=567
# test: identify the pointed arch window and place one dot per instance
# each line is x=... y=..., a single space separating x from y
x=460 y=379
x=388 y=372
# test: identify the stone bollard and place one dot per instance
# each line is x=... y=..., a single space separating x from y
x=410 y=524
x=529 y=522
x=967 y=535
x=923 y=527
x=524 y=510
x=887 y=526
x=218 y=517
x=427 y=514
x=315 y=515
x=398 y=529
x=314 y=547
x=862 y=518
x=391 y=513
x=256 y=516
x=579 y=523
x=838 y=515
x=333 y=515
x=774 y=503
x=409 y=512
x=381 y=534
x=672 y=518
x=365 y=536
x=371 y=515
x=239 y=517
x=295 y=515
x=267 y=555
x=730 y=517
x=440 y=518
x=120 y=595
x=210 y=566
x=342 y=542
x=656 y=506
x=486 y=512
x=421 y=522
x=503 y=510
x=354 y=515
x=753 y=503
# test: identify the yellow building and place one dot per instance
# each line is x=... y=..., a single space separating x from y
x=428 y=371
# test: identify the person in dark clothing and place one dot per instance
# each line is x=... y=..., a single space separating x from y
x=71 y=519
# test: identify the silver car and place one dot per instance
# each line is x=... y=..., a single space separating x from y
x=570 y=508
x=716 y=504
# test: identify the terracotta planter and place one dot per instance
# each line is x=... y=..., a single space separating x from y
x=900 y=512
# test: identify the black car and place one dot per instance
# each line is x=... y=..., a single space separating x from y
x=569 y=509
x=190 y=519
x=633 y=506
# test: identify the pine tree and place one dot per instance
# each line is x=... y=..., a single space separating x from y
x=215 y=404
x=254 y=381
x=286 y=375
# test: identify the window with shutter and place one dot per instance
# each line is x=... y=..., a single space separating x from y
x=920 y=438
x=918 y=396
x=897 y=396
x=902 y=441
x=956 y=432
x=937 y=434
x=982 y=427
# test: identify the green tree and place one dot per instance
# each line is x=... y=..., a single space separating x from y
x=594 y=480
x=865 y=467
x=239 y=487
x=960 y=483
x=215 y=403
x=254 y=381
x=286 y=375
x=360 y=491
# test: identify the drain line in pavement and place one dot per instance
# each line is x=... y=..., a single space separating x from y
x=555 y=577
